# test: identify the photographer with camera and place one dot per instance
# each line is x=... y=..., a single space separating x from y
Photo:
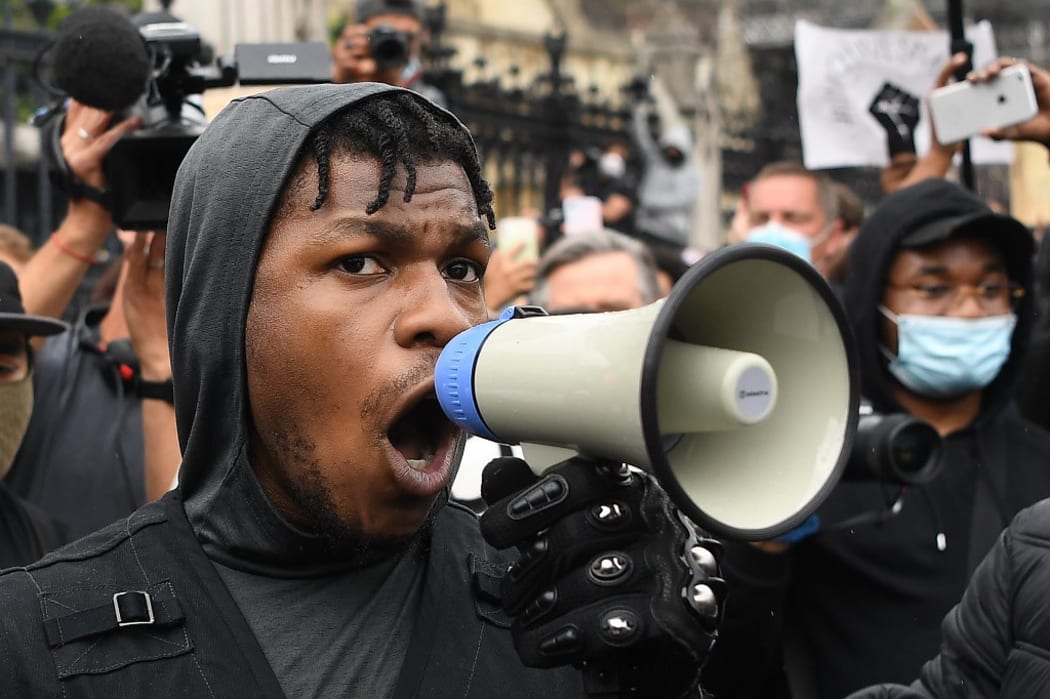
x=938 y=295
x=383 y=45
x=102 y=439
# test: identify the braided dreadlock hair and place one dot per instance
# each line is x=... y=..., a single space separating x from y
x=397 y=128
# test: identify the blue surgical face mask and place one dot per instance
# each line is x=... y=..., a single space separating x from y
x=779 y=235
x=942 y=357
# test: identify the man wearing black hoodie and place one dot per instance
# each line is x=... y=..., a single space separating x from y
x=324 y=244
x=937 y=297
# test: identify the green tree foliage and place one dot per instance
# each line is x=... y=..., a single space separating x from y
x=28 y=13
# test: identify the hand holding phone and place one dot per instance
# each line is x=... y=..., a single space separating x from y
x=966 y=109
x=1036 y=129
x=519 y=232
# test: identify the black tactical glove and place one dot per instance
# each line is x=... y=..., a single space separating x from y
x=611 y=577
x=897 y=111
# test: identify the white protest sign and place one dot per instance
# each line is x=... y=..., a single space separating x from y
x=841 y=72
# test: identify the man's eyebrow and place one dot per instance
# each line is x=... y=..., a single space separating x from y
x=933 y=268
x=937 y=268
x=394 y=234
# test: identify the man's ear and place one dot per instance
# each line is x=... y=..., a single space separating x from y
x=837 y=240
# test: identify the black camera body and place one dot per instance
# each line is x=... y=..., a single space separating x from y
x=140 y=169
x=388 y=46
x=897 y=449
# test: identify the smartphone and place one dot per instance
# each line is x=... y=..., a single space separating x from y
x=581 y=214
x=964 y=109
x=512 y=231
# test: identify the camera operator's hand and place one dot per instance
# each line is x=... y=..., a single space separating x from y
x=87 y=137
x=144 y=304
x=611 y=576
x=1038 y=127
x=143 y=291
x=50 y=279
x=353 y=61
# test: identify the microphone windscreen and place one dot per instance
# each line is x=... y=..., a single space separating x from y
x=100 y=59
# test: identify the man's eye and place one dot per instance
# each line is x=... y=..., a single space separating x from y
x=361 y=264
x=11 y=366
x=992 y=290
x=463 y=271
x=934 y=291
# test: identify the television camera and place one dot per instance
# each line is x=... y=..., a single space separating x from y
x=155 y=70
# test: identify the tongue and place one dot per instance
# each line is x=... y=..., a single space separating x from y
x=414 y=434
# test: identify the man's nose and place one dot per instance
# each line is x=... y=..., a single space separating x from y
x=966 y=303
x=434 y=311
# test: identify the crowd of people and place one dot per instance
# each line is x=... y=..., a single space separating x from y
x=228 y=474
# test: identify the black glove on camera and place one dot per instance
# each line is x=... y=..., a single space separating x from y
x=611 y=575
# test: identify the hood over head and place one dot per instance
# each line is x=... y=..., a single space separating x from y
x=924 y=213
x=677 y=136
x=226 y=190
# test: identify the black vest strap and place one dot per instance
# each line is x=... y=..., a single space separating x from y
x=125 y=609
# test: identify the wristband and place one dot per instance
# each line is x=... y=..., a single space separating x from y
x=61 y=245
x=157 y=390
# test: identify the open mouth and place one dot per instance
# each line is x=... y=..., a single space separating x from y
x=421 y=432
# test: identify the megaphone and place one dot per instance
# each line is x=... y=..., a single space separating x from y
x=738 y=392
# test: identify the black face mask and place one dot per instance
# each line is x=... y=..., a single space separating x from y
x=674 y=156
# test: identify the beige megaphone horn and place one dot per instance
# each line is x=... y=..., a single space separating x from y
x=737 y=391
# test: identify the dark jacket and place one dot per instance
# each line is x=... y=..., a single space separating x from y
x=850 y=607
x=82 y=458
x=26 y=533
x=997 y=639
x=1034 y=385
x=59 y=634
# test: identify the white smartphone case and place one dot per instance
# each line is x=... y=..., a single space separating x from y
x=964 y=109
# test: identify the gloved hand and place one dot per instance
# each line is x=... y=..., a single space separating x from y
x=611 y=576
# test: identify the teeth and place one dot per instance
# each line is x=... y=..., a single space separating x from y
x=417 y=464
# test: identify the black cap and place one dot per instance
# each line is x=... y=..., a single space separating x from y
x=1006 y=233
x=367 y=9
x=13 y=314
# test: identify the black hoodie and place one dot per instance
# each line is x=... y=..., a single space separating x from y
x=864 y=604
x=216 y=558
